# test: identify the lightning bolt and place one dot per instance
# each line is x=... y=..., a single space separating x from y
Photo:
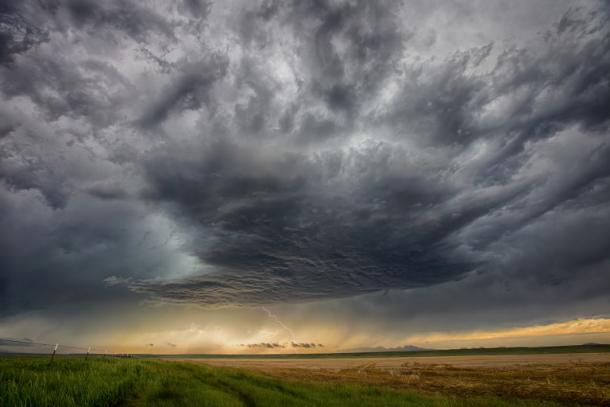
x=280 y=323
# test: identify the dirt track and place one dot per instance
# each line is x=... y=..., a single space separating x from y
x=397 y=362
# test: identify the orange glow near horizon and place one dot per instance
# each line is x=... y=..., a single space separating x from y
x=195 y=339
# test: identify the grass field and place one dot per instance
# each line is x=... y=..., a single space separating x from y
x=74 y=381
x=540 y=350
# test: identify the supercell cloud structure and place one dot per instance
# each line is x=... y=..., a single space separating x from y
x=243 y=153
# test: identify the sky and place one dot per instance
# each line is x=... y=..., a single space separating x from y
x=304 y=176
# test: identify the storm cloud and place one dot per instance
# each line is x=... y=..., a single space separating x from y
x=246 y=153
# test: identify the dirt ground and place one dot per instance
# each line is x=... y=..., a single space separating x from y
x=571 y=379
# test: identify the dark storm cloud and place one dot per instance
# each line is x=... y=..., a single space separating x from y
x=107 y=191
x=198 y=8
x=17 y=35
x=189 y=91
x=123 y=16
x=60 y=89
x=240 y=154
x=272 y=214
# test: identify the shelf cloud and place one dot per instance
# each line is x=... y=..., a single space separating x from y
x=251 y=153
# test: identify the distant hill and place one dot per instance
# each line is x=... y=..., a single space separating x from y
x=405 y=348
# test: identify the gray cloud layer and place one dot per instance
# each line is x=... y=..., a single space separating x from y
x=267 y=152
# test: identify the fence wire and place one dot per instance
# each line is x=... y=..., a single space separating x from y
x=24 y=346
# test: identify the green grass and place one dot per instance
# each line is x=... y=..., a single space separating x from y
x=74 y=381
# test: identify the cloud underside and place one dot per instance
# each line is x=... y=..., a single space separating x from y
x=241 y=154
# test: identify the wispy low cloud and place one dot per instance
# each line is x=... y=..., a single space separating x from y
x=22 y=342
x=306 y=345
x=274 y=345
x=263 y=345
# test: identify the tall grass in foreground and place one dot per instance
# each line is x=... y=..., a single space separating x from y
x=72 y=381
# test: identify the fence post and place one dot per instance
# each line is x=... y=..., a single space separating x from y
x=53 y=354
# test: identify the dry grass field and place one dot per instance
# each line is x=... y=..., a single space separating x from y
x=390 y=362
x=571 y=379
